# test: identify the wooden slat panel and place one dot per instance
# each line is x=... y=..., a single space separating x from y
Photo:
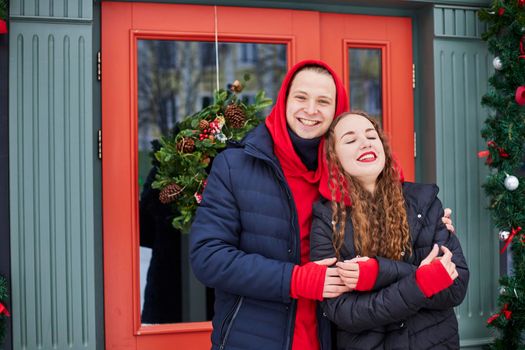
x=51 y=181
x=461 y=73
x=74 y=9
x=461 y=22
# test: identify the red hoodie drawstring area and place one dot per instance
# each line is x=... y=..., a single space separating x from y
x=305 y=186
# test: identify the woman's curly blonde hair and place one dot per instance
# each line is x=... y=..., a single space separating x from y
x=379 y=220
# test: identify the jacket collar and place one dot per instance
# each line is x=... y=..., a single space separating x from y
x=259 y=143
x=419 y=196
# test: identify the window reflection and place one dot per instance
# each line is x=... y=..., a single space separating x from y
x=365 y=81
x=177 y=79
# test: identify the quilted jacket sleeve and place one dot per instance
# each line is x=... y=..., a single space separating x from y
x=391 y=271
x=215 y=257
x=357 y=312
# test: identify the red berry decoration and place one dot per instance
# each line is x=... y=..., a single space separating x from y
x=520 y=95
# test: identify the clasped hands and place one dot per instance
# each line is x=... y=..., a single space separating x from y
x=344 y=276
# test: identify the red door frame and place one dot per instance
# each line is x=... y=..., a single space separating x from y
x=125 y=23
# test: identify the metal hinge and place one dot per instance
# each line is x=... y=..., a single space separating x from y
x=99 y=144
x=415 y=144
x=99 y=66
x=413 y=76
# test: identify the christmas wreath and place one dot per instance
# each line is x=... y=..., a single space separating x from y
x=184 y=159
x=4 y=313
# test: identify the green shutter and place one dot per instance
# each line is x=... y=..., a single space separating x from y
x=55 y=249
x=461 y=68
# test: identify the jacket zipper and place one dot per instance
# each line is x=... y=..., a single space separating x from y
x=235 y=310
x=255 y=153
x=295 y=242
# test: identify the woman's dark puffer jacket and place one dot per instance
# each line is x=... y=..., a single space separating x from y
x=396 y=314
x=245 y=244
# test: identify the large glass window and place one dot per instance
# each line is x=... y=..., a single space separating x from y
x=365 y=81
x=177 y=79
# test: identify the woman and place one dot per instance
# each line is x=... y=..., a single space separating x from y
x=403 y=295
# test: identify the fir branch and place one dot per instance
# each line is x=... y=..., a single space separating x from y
x=4 y=9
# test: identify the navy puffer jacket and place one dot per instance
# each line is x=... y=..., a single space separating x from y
x=396 y=314
x=245 y=243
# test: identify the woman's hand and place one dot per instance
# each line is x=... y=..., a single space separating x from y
x=333 y=285
x=348 y=270
x=445 y=260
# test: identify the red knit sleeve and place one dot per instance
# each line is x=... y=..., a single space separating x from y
x=368 y=271
x=308 y=281
x=433 y=278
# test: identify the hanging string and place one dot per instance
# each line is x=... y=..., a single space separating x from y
x=216 y=49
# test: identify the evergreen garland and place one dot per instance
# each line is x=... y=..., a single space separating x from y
x=504 y=132
x=184 y=159
x=3 y=9
x=4 y=313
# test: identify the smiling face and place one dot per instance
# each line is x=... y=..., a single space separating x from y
x=359 y=149
x=310 y=106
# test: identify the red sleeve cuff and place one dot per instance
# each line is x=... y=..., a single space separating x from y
x=368 y=271
x=308 y=281
x=433 y=278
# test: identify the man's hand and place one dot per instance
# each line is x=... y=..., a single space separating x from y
x=448 y=221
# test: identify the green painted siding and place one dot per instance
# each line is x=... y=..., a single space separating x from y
x=75 y=9
x=55 y=248
x=457 y=23
x=462 y=65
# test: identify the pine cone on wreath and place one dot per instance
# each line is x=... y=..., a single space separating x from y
x=186 y=145
x=169 y=193
x=204 y=124
x=235 y=116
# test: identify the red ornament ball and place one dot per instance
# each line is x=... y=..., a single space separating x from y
x=520 y=95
